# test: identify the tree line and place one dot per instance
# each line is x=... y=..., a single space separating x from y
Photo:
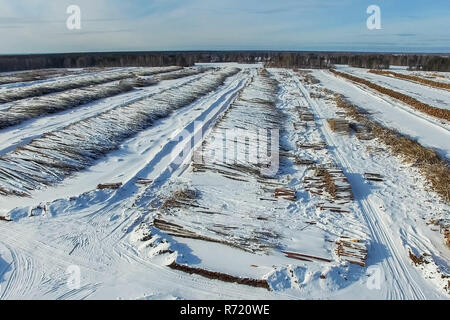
x=188 y=58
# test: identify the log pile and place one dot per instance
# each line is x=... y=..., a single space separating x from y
x=220 y=276
x=304 y=257
x=330 y=180
x=285 y=193
x=111 y=186
x=373 y=176
x=314 y=146
x=362 y=132
x=431 y=83
x=353 y=251
x=339 y=125
x=305 y=115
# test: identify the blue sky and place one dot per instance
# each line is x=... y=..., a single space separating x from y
x=36 y=26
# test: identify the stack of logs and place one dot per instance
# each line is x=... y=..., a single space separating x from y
x=353 y=251
x=339 y=125
x=285 y=193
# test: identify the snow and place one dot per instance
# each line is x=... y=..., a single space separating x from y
x=429 y=132
x=113 y=239
x=439 y=98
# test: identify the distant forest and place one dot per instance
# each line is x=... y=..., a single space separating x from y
x=427 y=62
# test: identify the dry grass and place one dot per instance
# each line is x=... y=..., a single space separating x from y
x=435 y=84
x=433 y=168
x=416 y=104
x=417 y=260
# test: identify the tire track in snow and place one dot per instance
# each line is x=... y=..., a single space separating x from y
x=22 y=278
x=405 y=286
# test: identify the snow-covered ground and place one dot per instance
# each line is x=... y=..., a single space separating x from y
x=430 y=75
x=427 y=130
x=198 y=190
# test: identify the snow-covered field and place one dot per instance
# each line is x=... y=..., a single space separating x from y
x=220 y=181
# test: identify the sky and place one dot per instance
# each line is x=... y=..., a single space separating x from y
x=39 y=26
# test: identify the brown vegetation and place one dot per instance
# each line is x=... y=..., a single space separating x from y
x=416 y=104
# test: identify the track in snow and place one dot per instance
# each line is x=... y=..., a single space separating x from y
x=384 y=247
